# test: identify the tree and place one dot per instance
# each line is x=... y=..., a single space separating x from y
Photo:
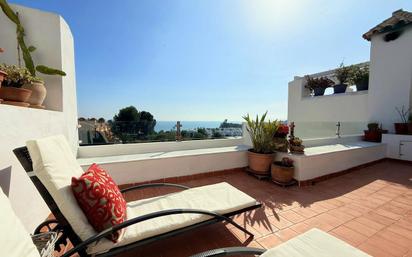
x=131 y=125
x=226 y=124
x=101 y=120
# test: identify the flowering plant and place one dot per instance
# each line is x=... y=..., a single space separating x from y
x=282 y=131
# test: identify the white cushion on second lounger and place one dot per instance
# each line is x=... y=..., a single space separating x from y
x=55 y=165
x=15 y=241
x=314 y=243
x=220 y=198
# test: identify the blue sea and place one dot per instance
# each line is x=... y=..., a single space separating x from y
x=170 y=125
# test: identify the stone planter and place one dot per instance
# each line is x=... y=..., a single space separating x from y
x=339 y=89
x=15 y=96
x=281 y=173
x=38 y=94
x=260 y=163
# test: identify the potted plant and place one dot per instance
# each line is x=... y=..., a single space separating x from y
x=359 y=76
x=12 y=92
x=342 y=75
x=282 y=171
x=317 y=86
x=279 y=140
x=295 y=145
x=25 y=50
x=374 y=133
x=261 y=133
x=402 y=127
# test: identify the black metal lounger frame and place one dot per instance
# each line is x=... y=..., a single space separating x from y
x=231 y=251
x=67 y=232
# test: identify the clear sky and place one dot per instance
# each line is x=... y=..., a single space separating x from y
x=209 y=59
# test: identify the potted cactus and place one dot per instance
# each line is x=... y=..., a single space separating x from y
x=261 y=133
x=282 y=171
x=36 y=85
x=359 y=76
x=374 y=133
x=317 y=86
x=342 y=75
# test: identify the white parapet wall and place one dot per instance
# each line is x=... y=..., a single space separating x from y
x=349 y=107
x=52 y=37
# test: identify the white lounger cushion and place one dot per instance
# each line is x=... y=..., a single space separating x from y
x=221 y=198
x=15 y=241
x=314 y=243
x=55 y=165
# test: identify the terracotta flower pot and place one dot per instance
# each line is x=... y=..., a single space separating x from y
x=259 y=163
x=373 y=135
x=281 y=173
x=14 y=94
x=400 y=128
x=38 y=94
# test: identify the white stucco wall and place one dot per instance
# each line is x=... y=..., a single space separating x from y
x=53 y=39
x=351 y=106
x=390 y=78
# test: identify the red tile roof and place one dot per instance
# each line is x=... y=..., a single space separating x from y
x=399 y=18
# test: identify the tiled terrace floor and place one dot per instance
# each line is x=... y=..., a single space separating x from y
x=370 y=208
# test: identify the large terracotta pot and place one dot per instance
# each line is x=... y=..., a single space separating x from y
x=400 y=128
x=259 y=163
x=14 y=94
x=38 y=94
x=281 y=173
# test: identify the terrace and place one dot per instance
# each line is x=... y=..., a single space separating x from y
x=369 y=208
x=357 y=191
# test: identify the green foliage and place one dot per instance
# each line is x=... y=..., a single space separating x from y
x=16 y=77
x=26 y=51
x=216 y=134
x=295 y=141
x=320 y=82
x=130 y=125
x=262 y=133
x=359 y=74
x=342 y=73
x=49 y=71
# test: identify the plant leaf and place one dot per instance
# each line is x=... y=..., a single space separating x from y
x=31 y=48
x=49 y=71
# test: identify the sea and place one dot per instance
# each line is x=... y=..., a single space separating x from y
x=187 y=125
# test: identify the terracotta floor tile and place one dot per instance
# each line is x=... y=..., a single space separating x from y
x=370 y=208
x=269 y=241
x=292 y=216
x=349 y=235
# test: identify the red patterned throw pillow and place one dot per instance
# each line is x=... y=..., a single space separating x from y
x=100 y=199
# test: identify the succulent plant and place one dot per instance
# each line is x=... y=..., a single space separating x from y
x=287 y=162
x=16 y=76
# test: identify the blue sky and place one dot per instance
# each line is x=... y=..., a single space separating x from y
x=209 y=59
